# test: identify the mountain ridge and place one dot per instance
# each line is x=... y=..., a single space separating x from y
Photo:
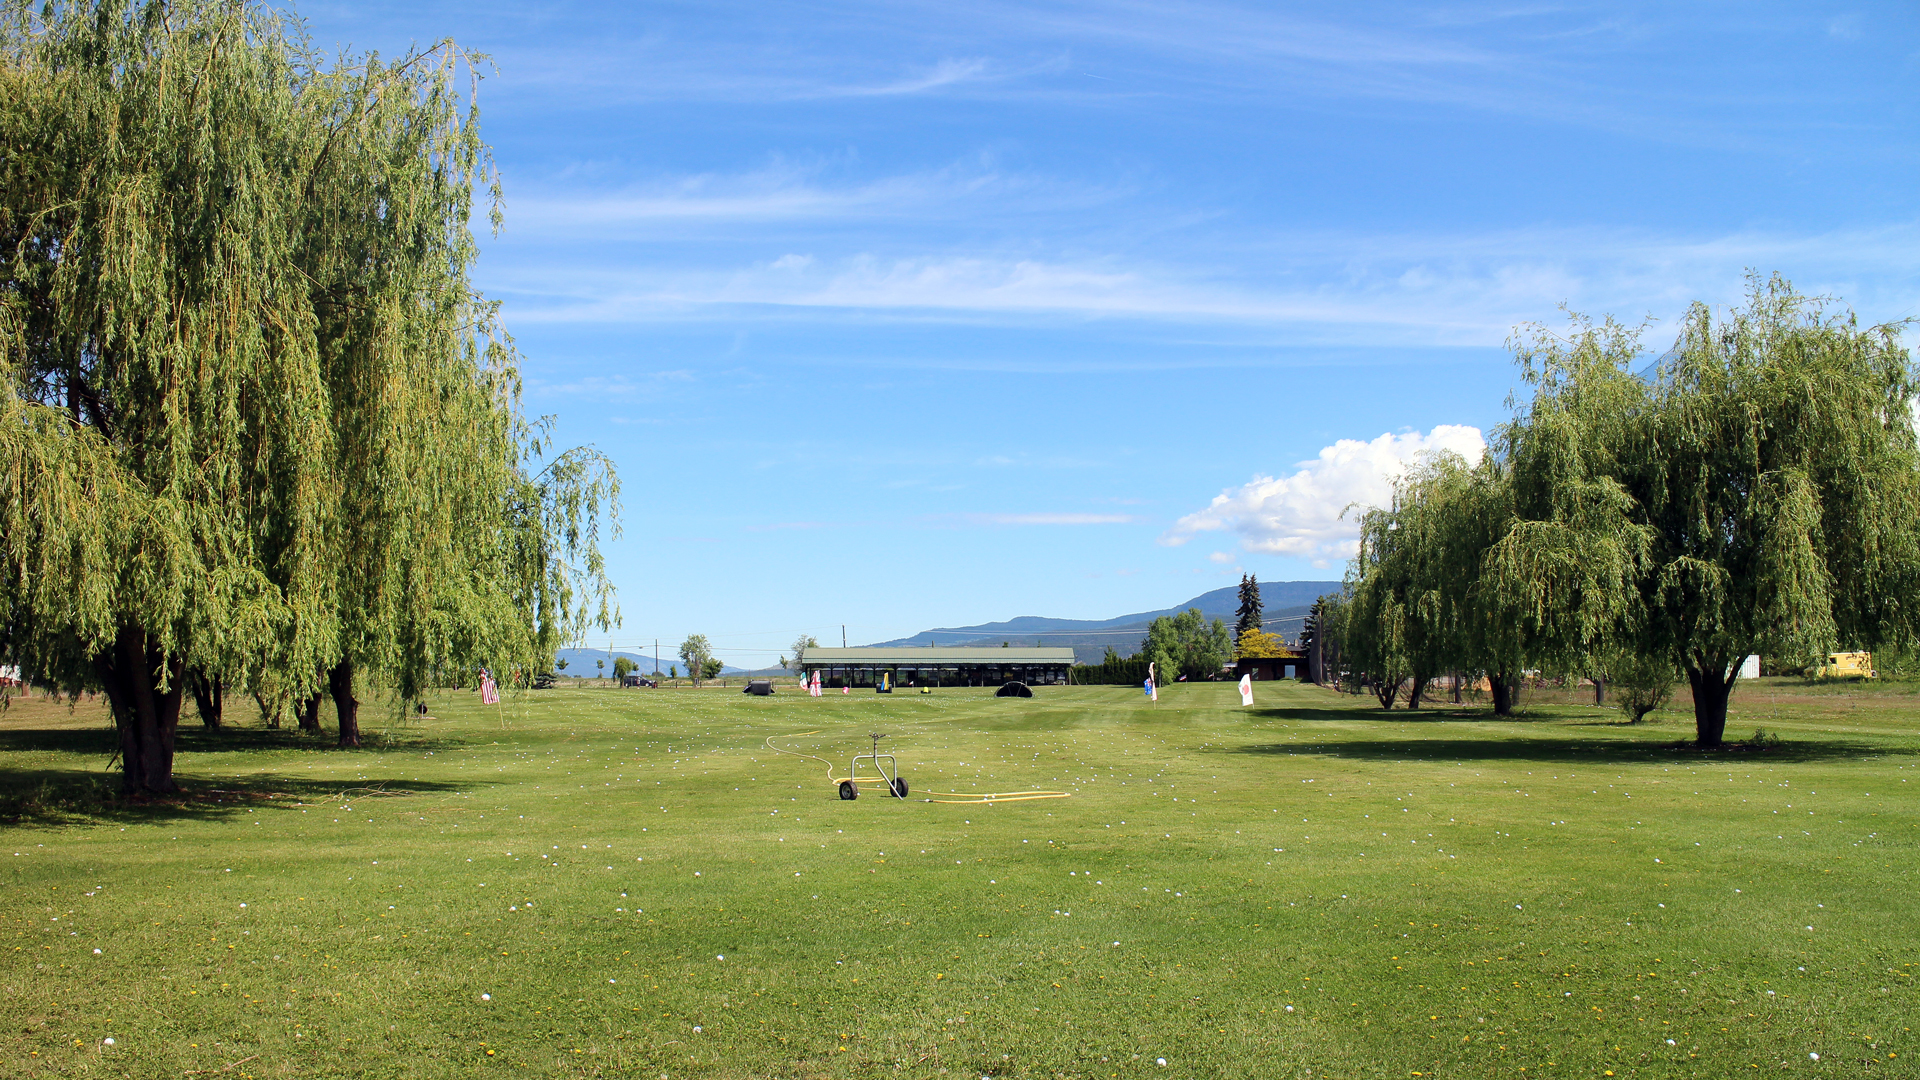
x=1283 y=604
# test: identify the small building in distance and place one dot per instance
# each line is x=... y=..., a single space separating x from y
x=1268 y=668
x=943 y=666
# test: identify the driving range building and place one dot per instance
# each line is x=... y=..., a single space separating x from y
x=943 y=666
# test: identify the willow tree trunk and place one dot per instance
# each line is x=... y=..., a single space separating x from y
x=146 y=715
x=345 y=705
x=1384 y=692
x=1599 y=690
x=1711 y=690
x=1419 y=687
x=1505 y=692
x=309 y=711
x=209 y=697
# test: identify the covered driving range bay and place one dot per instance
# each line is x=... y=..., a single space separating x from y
x=969 y=666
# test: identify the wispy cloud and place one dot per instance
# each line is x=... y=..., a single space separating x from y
x=796 y=193
x=1306 y=514
x=1050 y=519
x=1433 y=289
x=626 y=69
x=784 y=526
x=943 y=74
x=622 y=387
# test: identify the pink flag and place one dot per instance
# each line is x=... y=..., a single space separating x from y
x=1246 y=689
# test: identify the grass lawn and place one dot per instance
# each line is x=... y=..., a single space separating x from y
x=635 y=884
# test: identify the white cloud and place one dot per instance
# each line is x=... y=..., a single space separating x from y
x=1304 y=515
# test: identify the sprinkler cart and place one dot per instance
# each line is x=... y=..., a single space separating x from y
x=883 y=764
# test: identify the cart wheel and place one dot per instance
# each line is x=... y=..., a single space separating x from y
x=899 y=787
x=848 y=791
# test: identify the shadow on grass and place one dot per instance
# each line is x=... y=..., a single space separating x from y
x=102 y=742
x=72 y=796
x=1429 y=714
x=1532 y=748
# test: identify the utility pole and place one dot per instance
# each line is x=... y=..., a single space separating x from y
x=843 y=635
x=656 y=656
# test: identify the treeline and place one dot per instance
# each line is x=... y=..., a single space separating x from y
x=1112 y=670
x=258 y=430
x=1754 y=490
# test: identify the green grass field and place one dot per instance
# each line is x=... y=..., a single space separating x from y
x=635 y=884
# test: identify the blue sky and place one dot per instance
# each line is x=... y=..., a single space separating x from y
x=898 y=315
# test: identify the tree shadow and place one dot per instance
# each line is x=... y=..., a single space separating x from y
x=75 y=796
x=1568 y=751
x=1430 y=714
x=102 y=742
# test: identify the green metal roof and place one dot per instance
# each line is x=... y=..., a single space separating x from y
x=946 y=657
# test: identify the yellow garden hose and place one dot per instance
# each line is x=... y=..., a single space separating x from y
x=974 y=798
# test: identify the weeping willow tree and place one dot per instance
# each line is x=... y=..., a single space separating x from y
x=454 y=550
x=1421 y=600
x=1759 y=486
x=255 y=423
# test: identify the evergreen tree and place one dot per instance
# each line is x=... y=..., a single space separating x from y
x=1247 y=616
x=1310 y=646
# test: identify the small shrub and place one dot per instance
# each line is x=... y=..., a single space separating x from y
x=1639 y=684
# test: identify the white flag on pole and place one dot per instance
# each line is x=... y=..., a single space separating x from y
x=1246 y=690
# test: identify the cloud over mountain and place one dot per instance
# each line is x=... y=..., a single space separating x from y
x=1304 y=514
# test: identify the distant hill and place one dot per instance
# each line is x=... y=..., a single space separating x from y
x=580 y=663
x=1284 y=606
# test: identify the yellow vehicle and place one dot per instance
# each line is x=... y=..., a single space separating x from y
x=1847 y=665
